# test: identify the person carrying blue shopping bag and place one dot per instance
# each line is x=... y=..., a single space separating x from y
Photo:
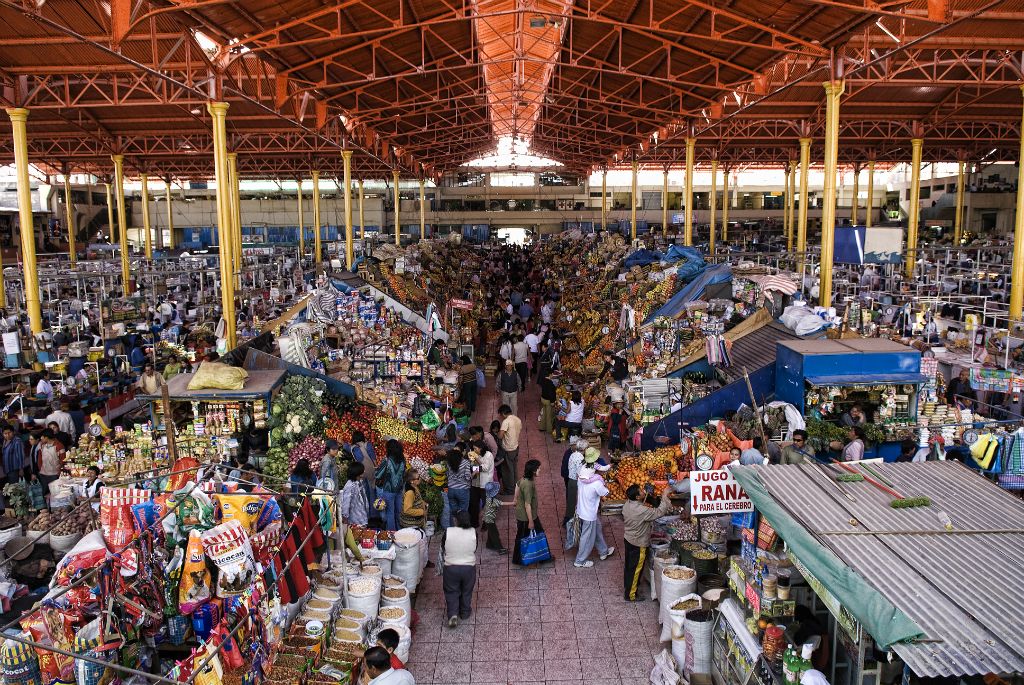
x=390 y=479
x=527 y=520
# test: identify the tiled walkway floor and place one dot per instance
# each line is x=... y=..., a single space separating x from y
x=551 y=624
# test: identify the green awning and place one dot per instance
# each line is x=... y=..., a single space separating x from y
x=883 y=621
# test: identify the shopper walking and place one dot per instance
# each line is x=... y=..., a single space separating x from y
x=638 y=518
x=508 y=385
x=460 y=475
x=459 y=572
x=355 y=509
x=390 y=476
x=588 y=500
x=521 y=356
x=467 y=384
x=548 y=397
x=573 y=463
x=484 y=461
x=527 y=514
x=508 y=449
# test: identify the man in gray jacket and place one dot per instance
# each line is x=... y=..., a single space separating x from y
x=638 y=518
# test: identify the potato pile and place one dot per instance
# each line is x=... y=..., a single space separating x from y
x=75 y=523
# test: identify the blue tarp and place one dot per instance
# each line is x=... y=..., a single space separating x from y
x=694 y=289
x=677 y=252
x=642 y=258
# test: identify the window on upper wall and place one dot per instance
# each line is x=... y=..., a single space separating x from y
x=512 y=179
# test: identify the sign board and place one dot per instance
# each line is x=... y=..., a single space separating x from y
x=12 y=343
x=400 y=265
x=461 y=304
x=717 y=492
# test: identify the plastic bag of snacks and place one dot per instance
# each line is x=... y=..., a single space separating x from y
x=87 y=554
x=116 y=514
x=227 y=545
x=194 y=587
x=51 y=627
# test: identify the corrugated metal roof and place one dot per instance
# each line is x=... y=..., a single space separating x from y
x=961 y=587
x=756 y=350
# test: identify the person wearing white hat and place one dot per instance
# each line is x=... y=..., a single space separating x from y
x=574 y=463
x=591 y=489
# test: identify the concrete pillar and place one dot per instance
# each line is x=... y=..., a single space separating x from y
x=70 y=220
x=398 y=204
x=122 y=224
x=317 y=251
x=26 y=227
x=664 y=204
x=218 y=112
x=725 y=206
x=302 y=219
x=423 y=208
x=856 y=192
x=801 y=222
x=691 y=144
x=362 y=217
x=350 y=250
x=145 y=216
x=914 y=211
x=869 y=213
x=1017 y=272
x=958 y=223
x=632 y=209
x=170 y=215
x=604 y=200
x=833 y=91
x=791 y=206
x=712 y=205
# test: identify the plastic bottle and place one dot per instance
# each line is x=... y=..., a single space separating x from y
x=789 y=666
x=804 y=665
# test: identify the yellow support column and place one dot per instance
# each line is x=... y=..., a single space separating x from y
x=958 y=223
x=362 y=217
x=423 y=208
x=914 y=205
x=1017 y=272
x=713 y=205
x=218 y=111
x=801 y=221
x=604 y=200
x=145 y=216
x=664 y=204
x=19 y=117
x=236 y=218
x=398 y=201
x=170 y=216
x=791 y=206
x=122 y=224
x=632 y=209
x=691 y=144
x=869 y=211
x=833 y=91
x=302 y=220
x=856 y=192
x=317 y=256
x=350 y=250
x=70 y=220
x=725 y=206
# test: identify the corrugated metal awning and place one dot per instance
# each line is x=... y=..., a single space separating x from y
x=869 y=379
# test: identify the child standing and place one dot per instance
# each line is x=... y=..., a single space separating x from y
x=490 y=517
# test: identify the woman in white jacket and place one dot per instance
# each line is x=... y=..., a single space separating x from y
x=459 y=570
x=590 y=490
x=483 y=463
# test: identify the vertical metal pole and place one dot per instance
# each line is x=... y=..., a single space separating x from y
x=958 y=225
x=801 y=222
x=236 y=217
x=70 y=220
x=914 y=205
x=26 y=228
x=398 y=201
x=145 y=216
x=713 y=205
x=122 y=223
x=302 y=220
x=423 y=208
x=350 y=250
x=317 y=256
x=869 y=212
x=691 y=144
x=1017 y=272
x=725 y=206
x=633 y=199
x=664 y=204
x=791 y=206
x=362 y=217
x=856 y=192
x=170 y=216
x=833 y=91
x=787 y=228
x=604 y=200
